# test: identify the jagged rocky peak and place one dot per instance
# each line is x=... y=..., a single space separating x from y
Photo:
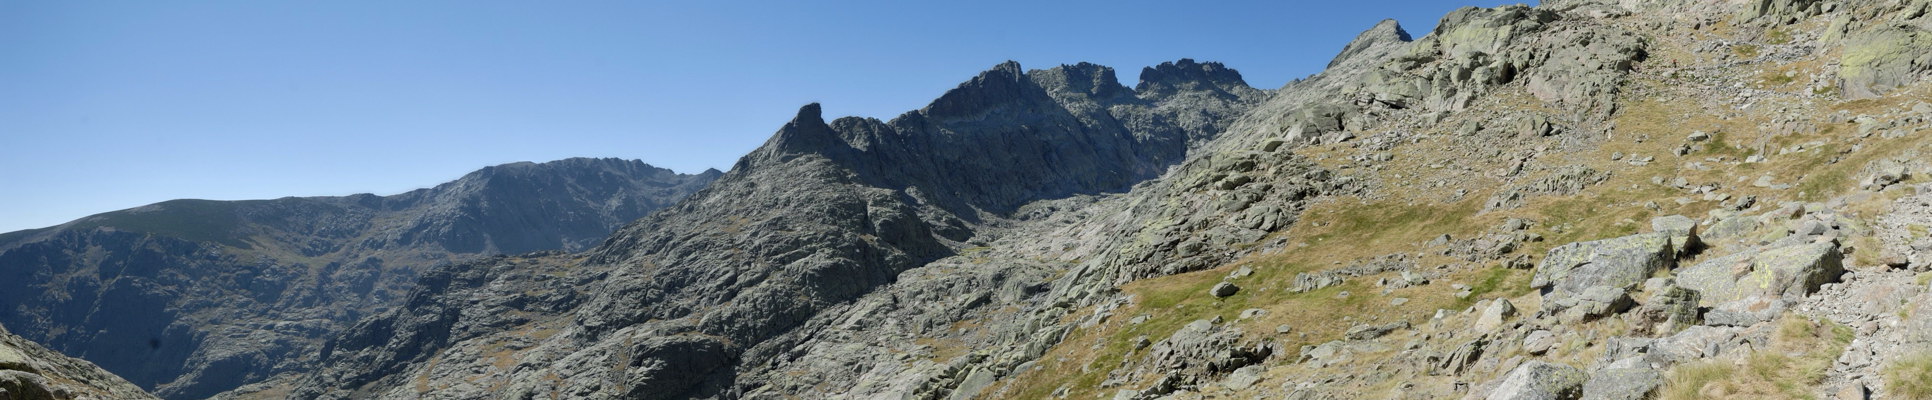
x=1386 y=32
x=1089 y=79
x=1005 y=82
x=1187 y=75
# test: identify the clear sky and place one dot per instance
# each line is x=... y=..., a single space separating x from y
x=109 y=105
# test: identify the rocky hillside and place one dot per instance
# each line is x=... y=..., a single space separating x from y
x=194 y=297
x=1582 y=199
x=823 y=213
x=31 y=372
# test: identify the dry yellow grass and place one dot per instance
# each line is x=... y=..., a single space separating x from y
x=1910 y=377
x=1801 y=352
x=1653 y=121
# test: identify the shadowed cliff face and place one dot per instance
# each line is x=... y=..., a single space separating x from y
x=194 y=297
x=1006 y=138
x=821 y=214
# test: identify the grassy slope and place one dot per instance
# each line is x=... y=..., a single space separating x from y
x=1654 y=119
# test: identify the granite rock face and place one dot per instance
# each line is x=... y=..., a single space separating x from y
x=1880 y=60
x=1618 y=263
x=1790 y=272
x=1539 y=380
x=194 y=297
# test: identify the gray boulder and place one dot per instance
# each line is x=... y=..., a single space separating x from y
x=1224 y=289
x=1668 y=309
x=1623 y=384
x=1539 y=342
x=1682 y=230
x=1595 y=302
x=1460 y=359
x=1493 y=316
x=1306 y=281
x=1745 y=313
x=1620 y=263
x=1244 y=377
x=1790 y=272
x=1878 y=60
x=1732 y=227
x=1537 y=380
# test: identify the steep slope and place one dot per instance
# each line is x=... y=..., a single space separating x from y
x=823 y=213
x=195 y=297
x=31 y=372
x=1481 y=232
x=1582 y=199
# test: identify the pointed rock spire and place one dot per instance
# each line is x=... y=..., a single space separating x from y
x=806 y=133
x=1386 y=32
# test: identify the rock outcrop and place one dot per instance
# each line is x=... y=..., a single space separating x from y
x=29 y=371
x=1789 y=272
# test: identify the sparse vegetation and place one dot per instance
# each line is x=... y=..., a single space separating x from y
x=194 y=220
x=1745 y=50
x=1800 y=353
x=1910 y=377
x=1689 y=380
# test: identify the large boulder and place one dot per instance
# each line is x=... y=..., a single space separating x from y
x=1881 y=59
x=1494 y=315
x=1537 y=380
x=1790 y=272
x=1669 y=309
x=1623 y=384
x=1595 y=302
x=1620 y=263
x=1682 y=230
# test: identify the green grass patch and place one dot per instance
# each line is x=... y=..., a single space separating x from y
x=1509 y=282
x=1825 y=90
x=1745 y=50
x=1373 y=224
x=1720 y=145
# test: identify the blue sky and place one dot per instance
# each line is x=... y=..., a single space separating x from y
x=110 y=105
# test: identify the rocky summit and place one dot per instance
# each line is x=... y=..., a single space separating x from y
x=1583 y=199
x=190 y=298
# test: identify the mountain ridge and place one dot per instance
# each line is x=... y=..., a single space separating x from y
x=860 y=213
x=290 y=269
x=1583 y=199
